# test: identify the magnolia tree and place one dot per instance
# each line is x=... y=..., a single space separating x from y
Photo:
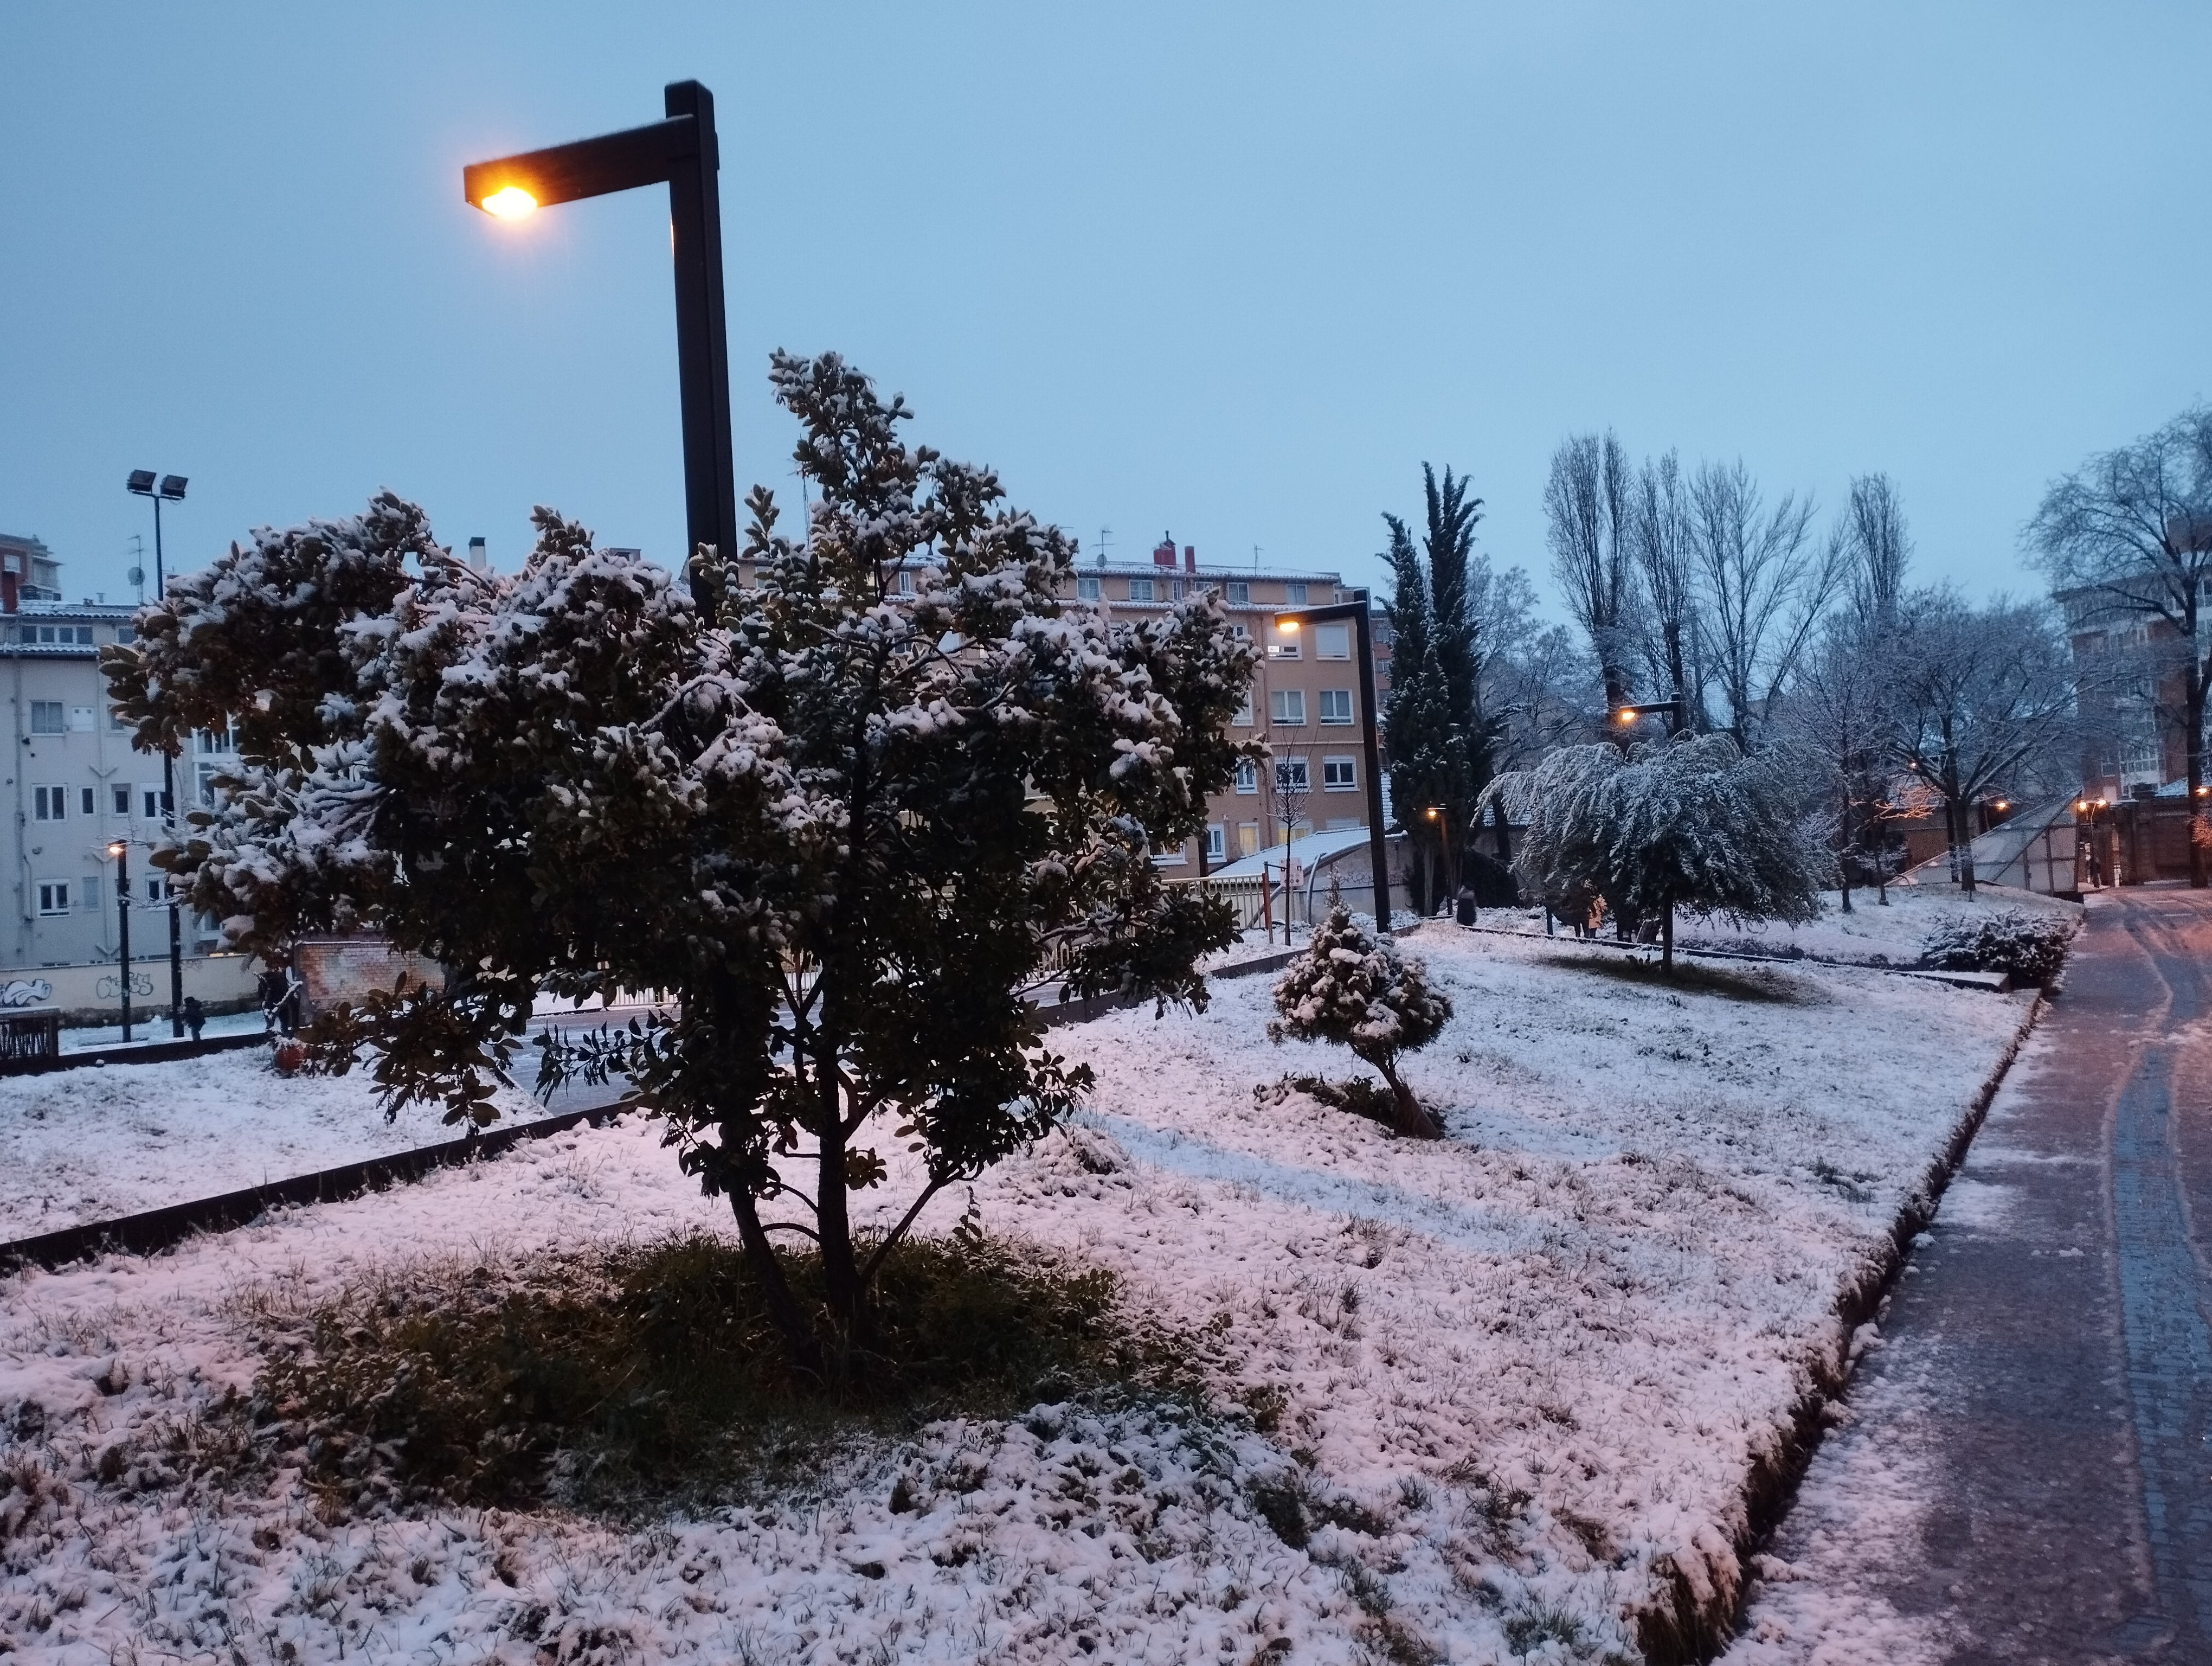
x=1689 y=823
x=845 y=807
x=1348 y=987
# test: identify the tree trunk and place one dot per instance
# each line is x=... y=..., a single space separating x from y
x=1413 y=1122
x=841 y=1269
x=1504 y=830
x=774 y=1288
x=1680 y=717
x=1667 y=941
x=1966 y=848
x=1844 y=856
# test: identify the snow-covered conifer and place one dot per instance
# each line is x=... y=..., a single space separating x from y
x=1350 y=988
x=847 y=826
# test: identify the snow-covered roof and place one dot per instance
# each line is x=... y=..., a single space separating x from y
x=1304 y=852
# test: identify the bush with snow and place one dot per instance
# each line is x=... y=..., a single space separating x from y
x=1348 y=987
x=1691 y=824
x=847 y=813
x=2032 y=947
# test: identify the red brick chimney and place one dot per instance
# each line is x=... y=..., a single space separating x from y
x=1164 y=553
x=1190 y=558
x=11 y=581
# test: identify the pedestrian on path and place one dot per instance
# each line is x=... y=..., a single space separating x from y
x=195 y=1015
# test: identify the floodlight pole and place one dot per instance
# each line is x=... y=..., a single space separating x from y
x=1378 y=849
x=683 y=153
x=122 y=927
x=168 y=759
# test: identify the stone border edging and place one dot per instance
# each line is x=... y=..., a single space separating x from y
x=1689 y=1629
x=2003 y=985
x=152 y=1229
x=166 y=1052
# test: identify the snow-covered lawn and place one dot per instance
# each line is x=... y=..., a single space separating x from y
x=1522 y=1378
x=1872 y=933
x=94 y=1143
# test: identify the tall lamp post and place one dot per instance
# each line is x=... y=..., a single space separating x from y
x=1289 y=622
x=120 y=849
x=682 y=153
x=171 y=490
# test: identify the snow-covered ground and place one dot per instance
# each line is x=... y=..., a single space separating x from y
x=1872 y=933
x=96 y=1142
x=1529 y=1370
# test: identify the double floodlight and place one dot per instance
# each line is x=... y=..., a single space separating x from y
x=142 y=483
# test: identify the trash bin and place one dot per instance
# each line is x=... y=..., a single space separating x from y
x=1467 y=905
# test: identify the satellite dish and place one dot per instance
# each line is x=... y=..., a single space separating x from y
x=137 y=575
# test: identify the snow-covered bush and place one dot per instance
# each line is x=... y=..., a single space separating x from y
x=845 y=824
x=2030 y=946
x=1349 y=989
x=1690 y=823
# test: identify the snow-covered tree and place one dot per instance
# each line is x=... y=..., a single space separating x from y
x=1689 y=823
x=845 y=825
x=1348 y=987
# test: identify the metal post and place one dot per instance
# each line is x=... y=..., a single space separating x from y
x=1378 y=848
x=122 y=927
x=169 y=822
x=695 y=212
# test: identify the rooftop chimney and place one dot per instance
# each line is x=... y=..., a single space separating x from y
x=11 y=580
x=1190 y=558
x=1163 y=551
x=477 y=558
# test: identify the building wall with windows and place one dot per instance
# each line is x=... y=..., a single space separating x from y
x=1306 y=702
x=75 y=785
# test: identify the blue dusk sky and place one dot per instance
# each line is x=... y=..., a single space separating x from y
x=1230 y=271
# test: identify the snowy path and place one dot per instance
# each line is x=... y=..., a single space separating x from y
x=2022 y=1478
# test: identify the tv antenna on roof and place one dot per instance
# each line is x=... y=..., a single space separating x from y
x=1104 y=532
x=137 y=575
x=1256 y=558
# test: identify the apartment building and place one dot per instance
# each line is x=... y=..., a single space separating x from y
x=1306 y=702
x=76 y=784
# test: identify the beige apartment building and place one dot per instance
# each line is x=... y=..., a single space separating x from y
x=1306 y=702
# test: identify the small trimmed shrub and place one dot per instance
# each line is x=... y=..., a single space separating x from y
x=2030 y=946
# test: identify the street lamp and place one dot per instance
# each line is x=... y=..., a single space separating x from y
x=682 y=153
x=1627 y=714
x=1288 y=623
x=171 y=490
x=121 y=851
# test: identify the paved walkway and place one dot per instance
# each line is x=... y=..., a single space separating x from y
x=2025 y=1473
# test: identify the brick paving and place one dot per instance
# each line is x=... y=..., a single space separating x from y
x=2047 y=1367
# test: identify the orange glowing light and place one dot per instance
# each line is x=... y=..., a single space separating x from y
x=509 y=203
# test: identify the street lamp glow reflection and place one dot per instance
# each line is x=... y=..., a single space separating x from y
x=509 y=203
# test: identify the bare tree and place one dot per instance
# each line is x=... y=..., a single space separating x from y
x=1291 y=790
x=1980 y=693
x=1878 y=548
x=2133 y=528
x=1766 y=583
x=1838 y=714
x=1586 y=507
x=1662 y=546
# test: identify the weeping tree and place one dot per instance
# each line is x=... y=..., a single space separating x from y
x=1688 y=824
x=846 y=822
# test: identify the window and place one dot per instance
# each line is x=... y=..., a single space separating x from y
x=59 y=635
x=206 y=784
x=1140 y=589
x=1086 y=590
x=50 y=804
x=122 y=799
x=1295 y=593
x=1291 y=775
x=154 y=890
x=153 y=802
x=1217 y=841
x=1240 y=594
x=1286 y=707
x=1333 y=641
x=125 y=634
x=903 y=584
x=85 y=806
x=1247 y=838
x=1244 y=718
x=54 y=896
x=80 y=720
x=1339 y=774
x=47 y=717
x=1336 y=705
x=1282 y=644
x=1247 y=778
x=209 y=742
x=117 y=722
